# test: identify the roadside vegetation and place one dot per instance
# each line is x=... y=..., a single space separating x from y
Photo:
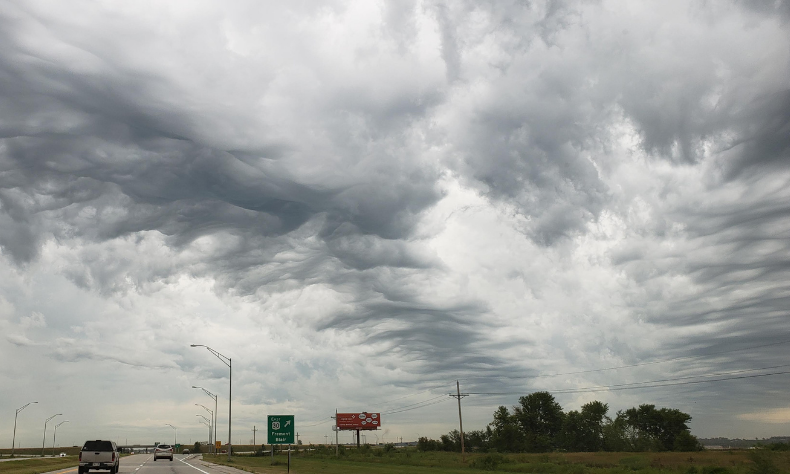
x=23 y=452
x=537 y=436
x=36 y=466
x=383 y=460
x=538 y=424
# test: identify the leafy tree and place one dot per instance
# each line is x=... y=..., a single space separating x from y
x=540 y=418
x=673 y=423
x=594 y=418
x=451 y=441
x=583 y=431
x=505 y=433
x=646 y=428
x=685 y=441
x=571 y=437
x=614 y=435
x=477 y=440
x=425 y=444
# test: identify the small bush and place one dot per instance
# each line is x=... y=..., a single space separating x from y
x=635 y=463
x=715 y=470
x=489 y=462
x=763 y=463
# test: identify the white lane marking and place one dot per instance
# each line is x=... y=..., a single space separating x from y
x=193 y=467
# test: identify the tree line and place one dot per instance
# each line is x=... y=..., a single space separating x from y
x=539 y=424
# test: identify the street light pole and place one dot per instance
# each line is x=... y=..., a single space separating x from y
x=45 y=432
x=215 y=415
x=225 y=360
x=13 y=440
x=209 y=426
x=211 y=413
x=175 y=435
x=54 y=434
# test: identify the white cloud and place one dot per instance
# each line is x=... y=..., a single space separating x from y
x=772 y=416
x=360 y=202
x=35 y=320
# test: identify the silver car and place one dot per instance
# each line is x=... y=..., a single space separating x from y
x=163 y=451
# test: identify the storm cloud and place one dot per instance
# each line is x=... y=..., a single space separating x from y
x=367 y=201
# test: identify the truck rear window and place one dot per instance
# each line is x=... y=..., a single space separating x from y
x=97 y=446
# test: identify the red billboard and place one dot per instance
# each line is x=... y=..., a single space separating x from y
x=358 y=421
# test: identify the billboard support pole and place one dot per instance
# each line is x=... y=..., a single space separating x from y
x=357 y=439
x=337 y=437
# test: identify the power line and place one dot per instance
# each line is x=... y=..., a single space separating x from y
x=441 y=399
x=316 y=424
x=616 y=387
x=633 y=365
x=398 y=409
x=656 y=383
x=415 y=394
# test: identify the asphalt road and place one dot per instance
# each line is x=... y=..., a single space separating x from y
x=145 y=464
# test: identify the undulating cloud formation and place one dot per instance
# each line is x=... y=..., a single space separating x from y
x=362 y=202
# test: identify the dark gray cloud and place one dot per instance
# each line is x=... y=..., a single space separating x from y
x=486 y=191
x=114 y=144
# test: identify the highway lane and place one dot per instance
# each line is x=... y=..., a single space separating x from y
x=145 y=464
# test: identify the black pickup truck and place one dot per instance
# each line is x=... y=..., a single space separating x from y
x=99 y=455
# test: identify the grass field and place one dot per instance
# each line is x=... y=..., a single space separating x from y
x=411 y=461
x=70 y=450
x=35 y=466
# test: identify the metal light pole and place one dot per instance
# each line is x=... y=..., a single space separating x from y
x=211 y=413
x=45 y=432
x=209 y=427
x=215 y=415
x=175 y=435
x=225 y=360
x=54 y=435
x=13 y=440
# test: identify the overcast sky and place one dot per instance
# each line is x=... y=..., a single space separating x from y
x=362 y=202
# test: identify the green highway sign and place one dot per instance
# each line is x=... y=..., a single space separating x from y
x=281 y=429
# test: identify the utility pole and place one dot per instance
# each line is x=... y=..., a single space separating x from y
x=459 y=396
x=253 y=434
x=337 y=445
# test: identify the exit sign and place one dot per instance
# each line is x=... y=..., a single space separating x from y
x=281 y=429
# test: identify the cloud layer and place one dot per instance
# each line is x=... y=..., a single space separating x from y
x=361 y=203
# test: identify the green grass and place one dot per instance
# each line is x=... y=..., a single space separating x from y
x=375 y=461
x=35 y=466
x=70 y=450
